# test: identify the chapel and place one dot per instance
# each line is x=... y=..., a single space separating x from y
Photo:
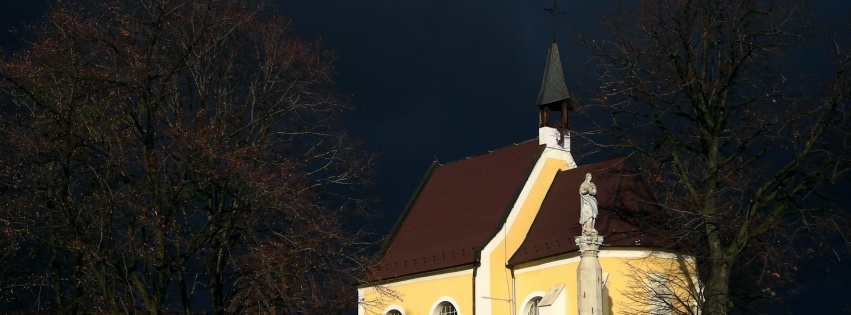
x=499 y=233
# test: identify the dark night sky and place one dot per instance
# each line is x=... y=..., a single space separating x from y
x=438 y=80
x=444 y=80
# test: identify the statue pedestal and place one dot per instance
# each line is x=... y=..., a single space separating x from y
x=589 y=275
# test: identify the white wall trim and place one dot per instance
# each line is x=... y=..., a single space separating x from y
x=361 y=310
x=529 y=297
x=604 y=253
x=560 y=155
x=393 y=307
x=442 y=299
x=430 y=277
x=635 y=253
x=483 y=281
x=547 y=265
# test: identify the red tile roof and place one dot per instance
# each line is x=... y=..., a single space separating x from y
x=622 y=201
x=460 y=206
x=456 y=209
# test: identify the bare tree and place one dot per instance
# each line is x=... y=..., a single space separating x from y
x=176 y=156
x=743 y=151
x=661 y=286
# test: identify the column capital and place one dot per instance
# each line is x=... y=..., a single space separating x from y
x=589 y=245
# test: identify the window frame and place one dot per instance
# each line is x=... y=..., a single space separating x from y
x=532 y=305
x=442 y=309
x=437 y=307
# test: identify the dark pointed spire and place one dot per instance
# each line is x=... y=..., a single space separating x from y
x=553 y=89
x=553 y=96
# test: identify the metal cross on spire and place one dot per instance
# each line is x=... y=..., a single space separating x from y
x=554 y=11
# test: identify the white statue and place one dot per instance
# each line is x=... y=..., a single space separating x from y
x=588 y=206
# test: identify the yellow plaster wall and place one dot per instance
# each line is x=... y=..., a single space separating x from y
x=417 y=297
x=500 y=276
x=621 y=281
x=543 y=279
x=630 y=293
x=529 y=208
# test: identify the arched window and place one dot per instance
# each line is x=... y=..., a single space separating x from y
x=394 y=312
x=446 y=308
x=532 y=307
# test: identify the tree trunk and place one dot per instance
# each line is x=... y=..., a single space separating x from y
x=717 y=290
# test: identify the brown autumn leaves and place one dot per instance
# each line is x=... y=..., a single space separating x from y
x=175 y=156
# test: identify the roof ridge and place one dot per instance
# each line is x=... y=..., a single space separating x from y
x=488 y=152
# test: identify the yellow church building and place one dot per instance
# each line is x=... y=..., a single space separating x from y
x=499 y=233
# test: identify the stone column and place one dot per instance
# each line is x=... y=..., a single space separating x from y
x=589 y=276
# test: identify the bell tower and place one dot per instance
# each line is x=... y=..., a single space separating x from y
x=553 y=99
